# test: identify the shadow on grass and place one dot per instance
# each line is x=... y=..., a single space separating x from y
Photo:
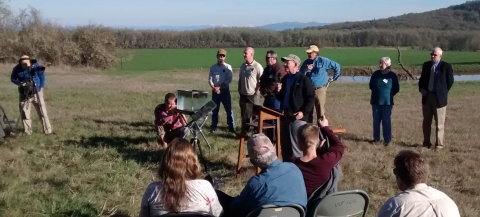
x=411 y=145
x=143 y=126
x=353 y=137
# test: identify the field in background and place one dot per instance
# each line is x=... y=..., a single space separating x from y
x=168 y=59
x=104 y=152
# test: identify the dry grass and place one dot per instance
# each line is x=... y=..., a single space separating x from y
x=104 y=153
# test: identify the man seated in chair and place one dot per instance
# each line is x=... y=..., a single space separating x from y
x=317 y=163
x=417 y=198
x=169 y=123
x=279 y=183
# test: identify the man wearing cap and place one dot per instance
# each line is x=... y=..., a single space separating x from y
x=316 y=68
x=249 y=84
x=219 y=78
x=22 y=75
x=279 y=183
x=297 y=96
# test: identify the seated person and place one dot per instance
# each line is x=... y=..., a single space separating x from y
x=168 y=121
x=180 y=188
x=279 y=183
x=417 y=198
x=316 y=164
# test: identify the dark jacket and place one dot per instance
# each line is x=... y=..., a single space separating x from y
x=384 y=87
x=270 y=77
x=443 y=84
x=301 y=98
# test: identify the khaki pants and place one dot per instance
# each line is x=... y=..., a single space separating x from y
x=320 y=98
x=25 y=110
x=430 y=110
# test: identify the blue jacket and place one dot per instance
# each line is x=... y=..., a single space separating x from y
x=20 y=75
x=279 y=184
x=319 y=73
x=384 y=87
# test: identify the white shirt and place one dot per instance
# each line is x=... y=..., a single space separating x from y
x=201 y=197
x=220 y=76
x=420 y=200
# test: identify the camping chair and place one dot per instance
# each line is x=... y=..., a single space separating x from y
x=185 y=214
x=343 y=203
x=293 y=210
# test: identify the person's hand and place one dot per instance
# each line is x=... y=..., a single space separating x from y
x=322 y=122
x=310 y=67
x=298 y=115
x=257 y=92
x=330 y=79
x=279 y=87
x=423 y=92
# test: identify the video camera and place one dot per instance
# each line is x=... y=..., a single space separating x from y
x=33 y=68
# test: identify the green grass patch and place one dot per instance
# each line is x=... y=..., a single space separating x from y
x=168 y=59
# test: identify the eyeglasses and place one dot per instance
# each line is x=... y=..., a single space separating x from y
x=269 y=57
x=221 y=55
x=432 y=54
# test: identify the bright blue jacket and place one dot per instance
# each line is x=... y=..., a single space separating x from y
x=319 y=73
x=20 y=75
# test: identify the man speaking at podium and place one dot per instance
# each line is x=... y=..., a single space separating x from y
x=297 y=98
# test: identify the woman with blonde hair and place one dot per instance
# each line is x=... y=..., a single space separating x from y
x=180 y=188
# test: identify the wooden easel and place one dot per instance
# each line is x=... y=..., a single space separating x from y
x=264 y=114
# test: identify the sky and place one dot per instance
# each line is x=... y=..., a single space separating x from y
x=130 y=13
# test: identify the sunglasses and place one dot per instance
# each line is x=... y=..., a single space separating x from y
x=221 y=55
x=432 y=54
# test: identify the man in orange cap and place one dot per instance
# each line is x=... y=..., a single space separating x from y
x=22 y=75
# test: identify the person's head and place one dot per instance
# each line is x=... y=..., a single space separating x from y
x=271 y=57
x=221 y=56
x=291 y=63
x=410 y=169
x=436 y=54
x=179 y=164
x=312 y=51
x=24 y=61
x=308 y=137
x=248 y=54
x=261 y=150
x=385 y=63
x=170 y=101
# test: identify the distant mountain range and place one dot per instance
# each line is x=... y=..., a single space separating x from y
x=273 y=26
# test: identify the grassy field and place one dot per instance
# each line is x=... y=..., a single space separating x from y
x=168 y=59
x=104 y=152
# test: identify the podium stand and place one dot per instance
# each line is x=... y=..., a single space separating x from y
x=263 y=114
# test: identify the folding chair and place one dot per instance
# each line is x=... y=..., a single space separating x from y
x=342 y=203
x=185 y=214
x=293 y=210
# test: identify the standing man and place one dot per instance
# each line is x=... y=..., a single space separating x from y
x=22 y=75
x=219 y=79
x=297 y=96
x=316 y=68
x=269 y=79
x=434 y=84
x=249 y=84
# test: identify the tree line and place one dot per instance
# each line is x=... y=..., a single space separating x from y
x=97 y=46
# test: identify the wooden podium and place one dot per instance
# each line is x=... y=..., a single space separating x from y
x=263 y=114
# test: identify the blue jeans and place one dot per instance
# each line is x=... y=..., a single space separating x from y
x=225 y=98
x=272 y=102
x=382 y=114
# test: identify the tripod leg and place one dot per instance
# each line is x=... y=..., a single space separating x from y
x=197 y=142
x=209 y=146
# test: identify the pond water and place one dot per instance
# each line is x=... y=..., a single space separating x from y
x=366 y=79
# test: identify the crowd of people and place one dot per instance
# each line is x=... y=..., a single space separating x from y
x=293 y=89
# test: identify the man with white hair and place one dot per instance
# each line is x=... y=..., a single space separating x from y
x=279 y=183
x=434 y=84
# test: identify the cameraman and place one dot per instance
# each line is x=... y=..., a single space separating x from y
x=22 y=75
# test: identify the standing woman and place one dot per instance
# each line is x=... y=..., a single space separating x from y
x=384 y=85
x=180 y=188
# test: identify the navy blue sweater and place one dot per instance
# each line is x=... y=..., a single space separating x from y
x=384 y=87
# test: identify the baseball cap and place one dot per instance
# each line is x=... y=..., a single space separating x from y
x=222 y=51
x=312 y=48
x=292 y=57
